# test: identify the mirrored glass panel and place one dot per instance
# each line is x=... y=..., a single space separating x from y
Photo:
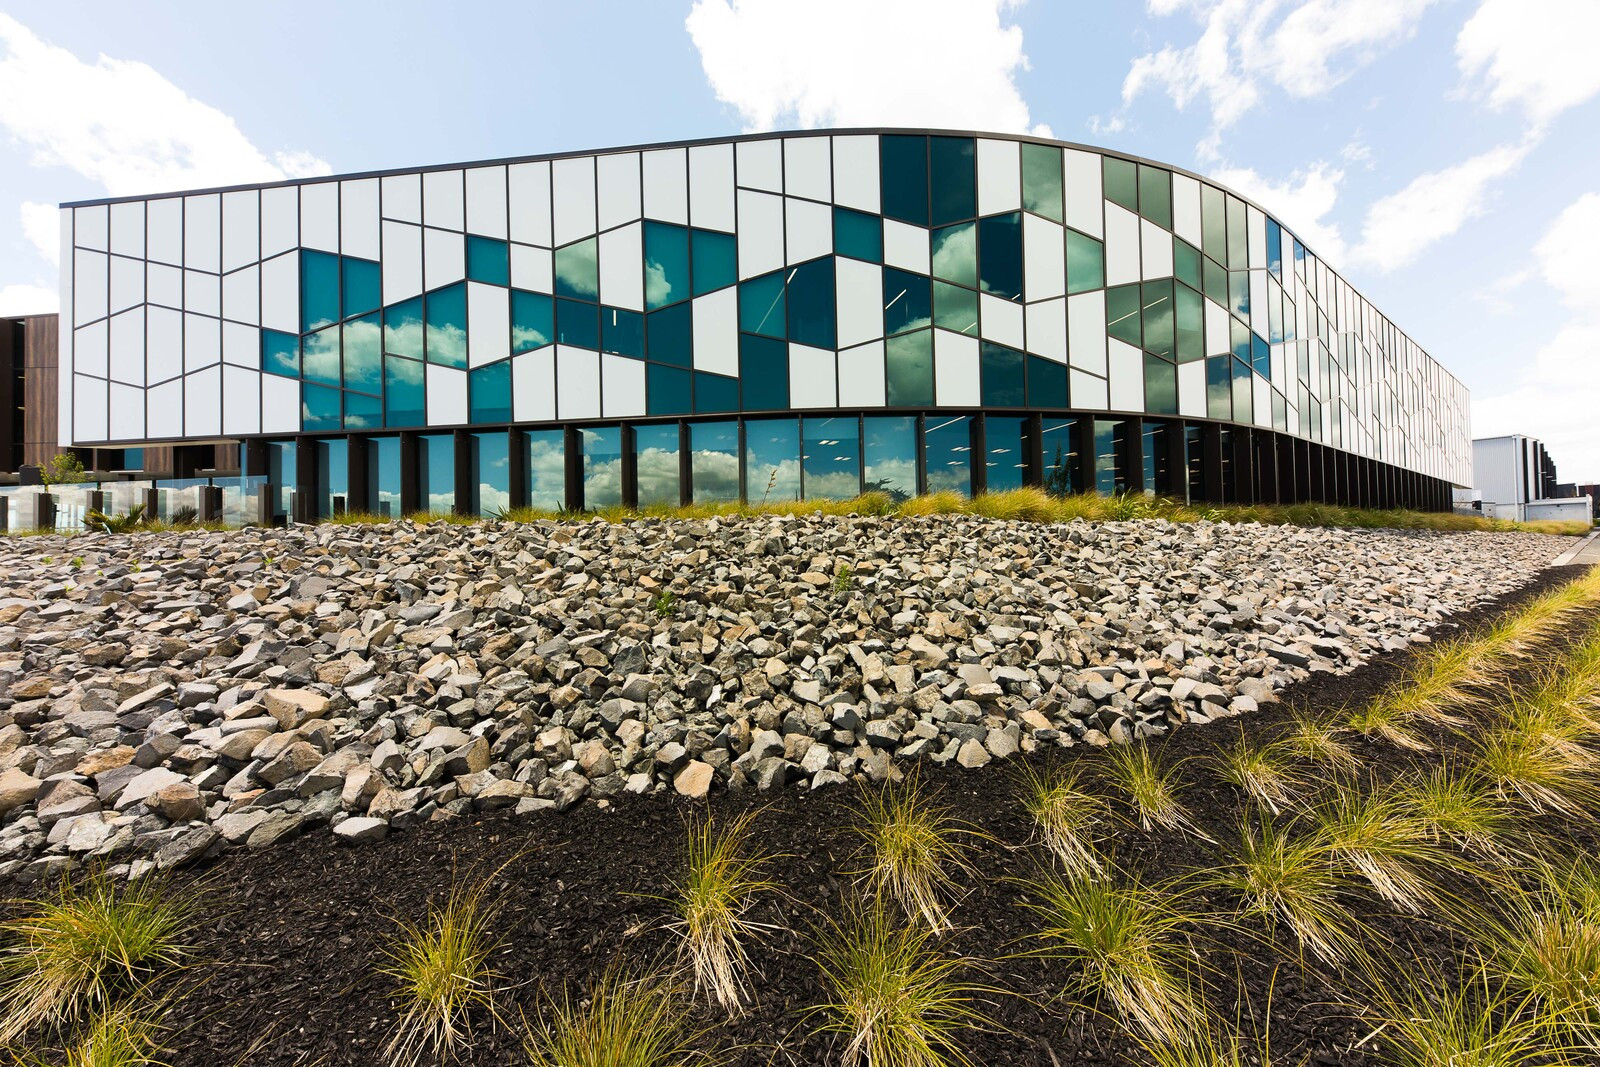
x=955 y=254
x=668 y=390
x=947 y=453
x=1155 y=195
x=489 y=393
x=436 y=472
x=383 y=476
x=362 y=289
x=955 y=308
x=533 y=321
x=491 y=466
x=1047 y=383
x=1041 y=180
x=903 y=174
x=280 y=353
x=577 y=324
x=1086 y=263
x=1160 y=386
x=319 y=356
x=1001 y=376
x=602 y=466
x=447 y=326
x=714 y=461
x=771 y=460
x=1059 y=452
x=545 y=460
x=715 y=392
x=578 y=271
x=1122 y=183
x=362 y=412
x=763 y=373
x=402 y=328
x=1157 y=308
x=319 y=290
x=889 y=455
x=1000 y=255
x=622 y=332
x=716 y=260
x=333 y=476
x=1005 y=452
x=666 y=264
x=488 y=260
x=669 y=335
x=320 y=408
x=405 y=404
x=811 y=303
x=363 y=355
x=906 y=302
x=908 y=369
x=282 y=467
x=655 y=451
x=1109 y=476
x=857 y=235
x=761 y=305
x=1219 y=387
x=953 y=167
x=831 y=457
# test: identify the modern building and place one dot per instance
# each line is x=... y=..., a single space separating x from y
x=1515 y=478
x=770 y=317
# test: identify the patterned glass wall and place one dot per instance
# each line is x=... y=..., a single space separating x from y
x=820 y=271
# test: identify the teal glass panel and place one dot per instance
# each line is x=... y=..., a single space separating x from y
x=1160 y=386
x=1086 y=263
x=830 y=457
x=1041 y=180
x=1239 y=293
x=489 y=393
x=713 y=459
x=578 y=271
x=1000 y=255
x=1122 y=183
x=763 y=373
x=955 y=254
x=669 y=335
x=363 y=355
x=907 y=301
x=577 y=324
x=908 y=369
x=1299 y=257
x=1059 y=452
x=1122 y=314
x=1239 y=336
x=319 y=408
x=363 y=290
x=1219 y=388
x=714 y=393
x=405 y=403
x=319 y=290
x=1186 y=263
x=362 y=412
x=533 y=321
x=1261 y=356
x=1158 y=336
x=282 y=461
x=1108 y=467
x=955 y=308
x=602 y=466
x=953 y=168
x=1155 y=195
x=622 y=332
x=811 y=304
x=1047 y=383
x=1213 y=223
x=383 y=475
x=655 y=462
x=666 y=264
x=1216 y=281
x=490 y=463
x=447 y=326
x=1243 y=394
x=436 y=472
x=280 y=353
x=1238 y=243
x=716 y=260
x=488 y=260
x=319 y=356
x=889 y=455
x=1190 y=320
x=402 y=328
x=667 y=390
x=333 y=473
x=544 y=457
x=947 y=454
x=903 y=174
x=1001 y=376
x=1275 y=249
x=771 y=460
x=1005 y=457
x=132 y=459
x=761 y=305
x=857 y=235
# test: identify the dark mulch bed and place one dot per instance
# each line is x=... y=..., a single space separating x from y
x=289 y=936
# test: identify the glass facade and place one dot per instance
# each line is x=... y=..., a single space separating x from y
x=947 y=454
x=491 y=466
x=436 y=472
x=655 y=452
x=602 y=466
x=383 y=476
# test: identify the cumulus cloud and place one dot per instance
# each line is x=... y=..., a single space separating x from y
x=41 y=225
x=939 y=63
x=1565 y=255
x=1534 y=54
x=27 y=300
x=1302 y=203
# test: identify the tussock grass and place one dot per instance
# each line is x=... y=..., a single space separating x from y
x=1126 y=942
x=1544 y=943
x=1468 y=1020
x=117 y=1037
x=1263 y=770
x=719 y=883
x=1320 y=740
x=1378 y=837
x=441 y=975
x=69 y=956
x=1456 y=806
x=1066 y=818
x=1151 y=787
x=622 y=1020
x=1292 y=880
x=916 y=850
x=896 y=999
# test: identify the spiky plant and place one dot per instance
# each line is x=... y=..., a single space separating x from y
x=1320 y=740
x=622 y=1020
x=1376 y=836
x=1263 y=771
x=1467 y=1020
x=719 y=884
x=1382 y=719
x=1066 y=818
x=1544 y=942
x=1543 y=771
x=915 y=850
x=1151 y=787
x=1456 y=806
x=116 y=1037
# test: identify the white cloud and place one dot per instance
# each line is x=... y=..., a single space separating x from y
x=1536 y=54
x=939 y=63
x=27 y=300
x=41 y=225
x=1302 y=203
x=121 y=124
x=1566 y=255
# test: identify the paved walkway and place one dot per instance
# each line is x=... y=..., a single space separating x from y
x=1586 y=553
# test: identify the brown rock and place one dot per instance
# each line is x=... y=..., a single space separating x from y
x=694 y=781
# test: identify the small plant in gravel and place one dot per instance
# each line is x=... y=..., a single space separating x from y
x=664 y=604
x=622 y=1020
x=1377 y=836
x=915 y=850
x=719 y=884
x=1319 y=739
x=843 y=580
x=1263 y=770
x=896 y=1000
x=1066 y=818
x=1152 y=788
x=441 y=975
x=70 y=956
x=1127 y=943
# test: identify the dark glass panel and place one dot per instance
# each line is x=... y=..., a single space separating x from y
x=383 y=475
x=903 y=170
x=577 y=324
x=1213 y=224
x=363 y=355
x=889 y=455
x=578 y=271
x=362 y=412
x=1216 y=281
x=488 y=260
x=666 y=264
x=1109 y=474
x=489 y=393
x=655 y=459
x=544 y=454
x=405 y=403
x=1186 y=263
x=669 y=335
x=1157 y=453
x=1122 y=183
x=1122 y=314
x=1086 y=263
x=280 y=353
x=602 y=466
x=1238 y=243
x=763 y=373
x=282 y=461
x=761 y=305
x=955 y=308
x=622 y=332
x=447 y=326
x=1047 y=383
x=715 y=392
x=333 y=473
x=319 y=408
x=533 y=321
x=1157 y=306
x=1041 y=180
x=811 y=310
x=953 y=166
x=1219 y=387
x=771 y=460
x=714 y=461
x=1005 y=457
x=1191 y=325
x=363 y=291
x=857 y=235
x=319 y=290
x=715 y=260
x=667 y=390
x=1261 y=357
x=907 y=301
x=491 y=466
x=830 y=457
x=908 y=369
x=319 y=356
x=1059 y=444
x=1001 y=376
x=1160 y=386
x=1155 y=195
x=955 y=254
x=402 y=328
x=1000 y=255
x=947 y=453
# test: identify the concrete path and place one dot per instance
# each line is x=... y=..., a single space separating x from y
x=1584 y=553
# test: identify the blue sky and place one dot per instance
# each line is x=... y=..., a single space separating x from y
x=1444 y=155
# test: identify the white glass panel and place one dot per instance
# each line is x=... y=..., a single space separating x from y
x=127 y=229
x=533 y=386
x=488 y=323
x=1086 y=391
x=813 y=377
x=1192 y=390
x=1044 y=258
x=443 y=257
x=1218 y=342
x=999 y=176
x=577 y=383
x=358 y=215
x=905 y=246
x=241 y=401
x=165 y=286
x=402 y=197
x=319 y=216
x=574 y=198
x=621 y=267
x=443 y=199
x=280 y=404
x=202 y=293
x=127 y=413
x=241 y=295
x=1127 y=376
x=89 y=350
x=955 y=369
x=809 y=229
x=89 y=286
x=666 y=186
x=1186 y=208
x=241 y=228
x=202 y=342
x=1081 y=175
x=618 y=180
x=760 y=164
x=202 y=403
x=622 y=387
x=402 y=261
x=861 y=381
x=241 y=345
x=280 y=293
x=88 y=409
x=280 y=220
x=164 y=230
x=855 y=172
x=447 y=395
x=711 y=187
x=202 y=232
x=1122 y=245
x=127 y=349
x=486 y=201
x=859 y=296
x=164 y=408
x=716 y=332
x=1263 y=400
x=532 y=269
x=529 y=188
x=92 y=227
x=1000 y=320
x=807 y=169
x=1156 y=246
x=760 y=233
x=127 y=282
x=1047 y=329
x=1086 y=331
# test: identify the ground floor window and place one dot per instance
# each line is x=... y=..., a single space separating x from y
x=655 y=460
x=491 y=467
x=544 y=459
x=333 y=476
x=383 y=476
x=1005 y=453
x=602 y=466
x=947 y=453
x=714 y=462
